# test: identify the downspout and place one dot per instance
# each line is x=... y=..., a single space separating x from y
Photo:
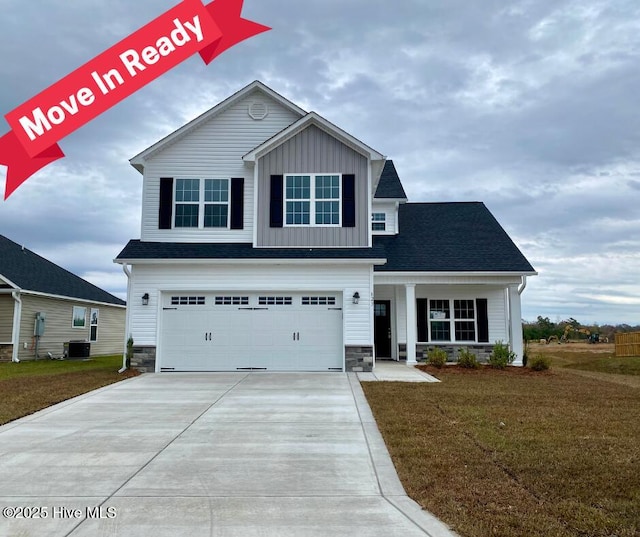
x=126 y=270
x=523 y=285
x=17 y=316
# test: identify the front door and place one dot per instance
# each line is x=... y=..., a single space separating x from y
x=382 y=328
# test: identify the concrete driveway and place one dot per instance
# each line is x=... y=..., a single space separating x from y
x=220 y=454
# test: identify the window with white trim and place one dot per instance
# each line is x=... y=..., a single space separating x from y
x=201 y=203
x=312 y=199
x=443 y=326
x=378 y=222
x=439 y=319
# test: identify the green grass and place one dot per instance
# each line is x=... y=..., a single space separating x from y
x=516 y=453
x=33 y=368
x=29 y=386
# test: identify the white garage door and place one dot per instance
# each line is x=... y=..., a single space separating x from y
x=247 y=331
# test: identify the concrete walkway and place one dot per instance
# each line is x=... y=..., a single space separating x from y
x=389 y=370
x=217 y=454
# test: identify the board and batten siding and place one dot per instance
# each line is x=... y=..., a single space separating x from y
x=7 y=303
x=214 y=150
x=58 y=329
x=496 y=305
x=358 y=324
x=313 y=151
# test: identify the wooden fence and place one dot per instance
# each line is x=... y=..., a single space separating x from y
x=628 y=344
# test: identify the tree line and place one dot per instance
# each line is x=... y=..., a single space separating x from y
x=544 y=328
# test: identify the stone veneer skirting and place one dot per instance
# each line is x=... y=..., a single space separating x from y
x=144 y=359
x=481 y=350
x=5 y=353
x=358 y=358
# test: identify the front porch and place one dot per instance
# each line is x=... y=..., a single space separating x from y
x=413 y=314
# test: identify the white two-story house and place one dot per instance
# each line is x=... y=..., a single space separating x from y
x=273 y=240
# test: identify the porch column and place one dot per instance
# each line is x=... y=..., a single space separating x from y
x=515 y=323
x=412 y=336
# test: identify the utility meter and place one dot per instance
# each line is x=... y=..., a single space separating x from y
x=39 y=329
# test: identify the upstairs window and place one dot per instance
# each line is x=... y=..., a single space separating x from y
x=312 y=199
x=187 y=202
x=201 y=203
x=378 y=222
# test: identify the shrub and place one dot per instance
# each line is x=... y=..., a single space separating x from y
x=129 y=351
x=437 y=357
x=501 y=356
x=467 y=359
x=540 y=363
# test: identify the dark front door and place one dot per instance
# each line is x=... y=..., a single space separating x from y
x=382 y=328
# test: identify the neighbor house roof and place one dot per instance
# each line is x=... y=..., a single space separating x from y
x=389 y=185
x=30 y=272
x=138 y=250
x=450 y=237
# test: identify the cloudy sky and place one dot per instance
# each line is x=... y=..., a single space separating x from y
x=531 y=106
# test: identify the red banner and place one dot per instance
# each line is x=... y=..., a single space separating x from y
x=40 y=123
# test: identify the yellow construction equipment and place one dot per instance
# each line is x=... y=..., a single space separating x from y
x=592 y=337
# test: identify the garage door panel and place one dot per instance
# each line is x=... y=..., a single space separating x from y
x=275 y=332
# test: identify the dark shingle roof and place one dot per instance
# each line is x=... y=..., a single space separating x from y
x=31 y=272
x=434 y=237
x=450 y=237
x=136 y=249
x=389 y=185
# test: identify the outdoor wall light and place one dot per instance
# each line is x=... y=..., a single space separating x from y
x=145 y=299
x=356 y=297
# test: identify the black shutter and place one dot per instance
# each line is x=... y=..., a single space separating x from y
x=483 y=320
x=348 y=200
x=276 y=208
x=423 y=319
x=237 y=203
x=165 y=209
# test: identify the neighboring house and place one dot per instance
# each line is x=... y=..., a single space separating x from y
x=67 y=307
x=272 y=239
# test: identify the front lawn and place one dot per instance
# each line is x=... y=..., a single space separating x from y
x=27 y=387
x=516 y=453
x=597 y=358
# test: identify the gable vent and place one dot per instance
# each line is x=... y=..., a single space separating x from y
x=258 y=110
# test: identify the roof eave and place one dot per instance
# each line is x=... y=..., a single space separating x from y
x=252 y=261
x=9 y=282
x=459 y=273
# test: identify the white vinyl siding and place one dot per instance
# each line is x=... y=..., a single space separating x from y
x=390 y=217
x=214 y=150
x=268 y=279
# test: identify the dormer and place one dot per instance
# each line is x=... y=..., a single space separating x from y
x=389 y=195
x=314 y=182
